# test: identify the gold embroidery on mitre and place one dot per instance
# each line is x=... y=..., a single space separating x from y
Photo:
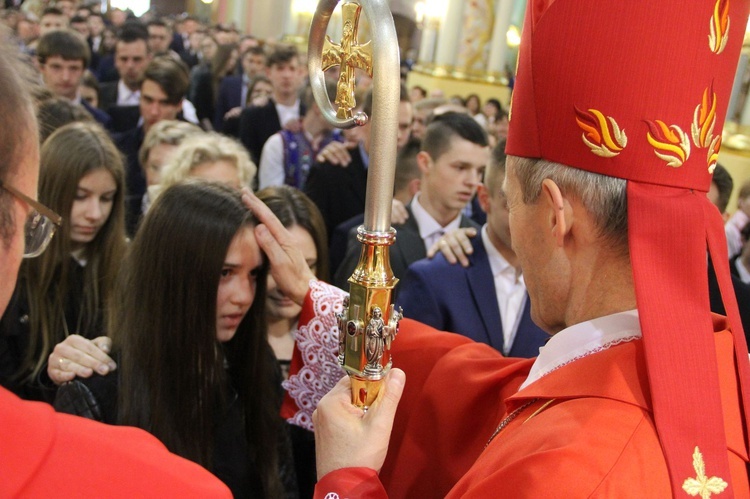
x=670 y=143
x=702 y=129
x=713 y=153
x=601 y=133
x=704 y=119
x=701 y=484
x=719 y=27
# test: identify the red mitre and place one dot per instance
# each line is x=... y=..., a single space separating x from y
x=638 y=89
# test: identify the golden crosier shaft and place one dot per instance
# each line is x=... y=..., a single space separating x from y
x=369 y=321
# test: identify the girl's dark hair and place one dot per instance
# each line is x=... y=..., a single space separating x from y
x=173 y=379
x=218 y=65
x=69 y=154
x=292 y=207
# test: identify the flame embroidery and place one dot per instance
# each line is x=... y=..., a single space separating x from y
x=670 y=143
x=704 y=119
x=601 y=133
x=713 y=153
x=719 y=27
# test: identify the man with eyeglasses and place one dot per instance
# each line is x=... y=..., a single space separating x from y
x=38 y=447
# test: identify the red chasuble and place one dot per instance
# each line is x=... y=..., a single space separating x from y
x=583 y=430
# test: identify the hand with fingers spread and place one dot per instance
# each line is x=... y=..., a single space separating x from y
x=288 y=266
x=347 y=437
x=336 y=153
x=455 y=246
x=77 y=356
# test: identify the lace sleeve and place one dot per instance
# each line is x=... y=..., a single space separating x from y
x=317 y=342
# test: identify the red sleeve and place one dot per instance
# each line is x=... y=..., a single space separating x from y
x=362 y=483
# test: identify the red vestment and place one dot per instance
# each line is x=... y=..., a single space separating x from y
x=587 y=431
x=47 y=454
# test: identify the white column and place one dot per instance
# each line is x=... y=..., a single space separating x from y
x=427 y=43
x=450 y=34
x=499 y=49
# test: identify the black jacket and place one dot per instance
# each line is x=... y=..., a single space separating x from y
x=257 y=123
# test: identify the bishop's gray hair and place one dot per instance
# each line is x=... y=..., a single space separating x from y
x=604 y=197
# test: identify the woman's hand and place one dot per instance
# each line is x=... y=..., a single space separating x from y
x=78 y=357
x=288 y=267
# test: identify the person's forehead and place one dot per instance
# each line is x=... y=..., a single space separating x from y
x=59 y=60
x=152 y=89
x=52 y=18
x=293 y=62
x=458 y=147
x=405 y=111
x=131 y=48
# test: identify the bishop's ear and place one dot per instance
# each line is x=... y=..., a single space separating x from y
x=559 y=214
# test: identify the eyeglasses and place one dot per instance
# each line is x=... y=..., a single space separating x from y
x=41 y=224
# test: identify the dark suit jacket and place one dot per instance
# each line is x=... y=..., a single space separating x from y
x=129 y=143
x=100 y=116
x=107 y=70
x=339 y=193
x=257 y=123
x=407 y=249
x=124 y=118
x=230 y=96
x=463 y=300
x=108 y=94
x=201 y=93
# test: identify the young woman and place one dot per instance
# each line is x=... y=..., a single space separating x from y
x=205 y=83
x=64 y=291
x=302 y=219
x=304 y=222
x=195 y=368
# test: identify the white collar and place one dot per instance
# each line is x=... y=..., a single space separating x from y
x=428 y=226
x=498 y=263
x=124 y=93
x=585 y=338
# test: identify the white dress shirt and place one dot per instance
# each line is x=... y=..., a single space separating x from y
x=287 y=113
x=429 y=229
x=127 y=97
x=585 y=338
x=510 y=291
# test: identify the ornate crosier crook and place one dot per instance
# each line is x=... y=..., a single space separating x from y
x=369 y=322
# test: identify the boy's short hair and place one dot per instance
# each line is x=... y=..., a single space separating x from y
x=65 y=43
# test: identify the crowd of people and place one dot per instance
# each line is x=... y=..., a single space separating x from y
x=132 y=114
x=192 y=203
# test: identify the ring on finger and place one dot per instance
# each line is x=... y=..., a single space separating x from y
x=62 y=361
